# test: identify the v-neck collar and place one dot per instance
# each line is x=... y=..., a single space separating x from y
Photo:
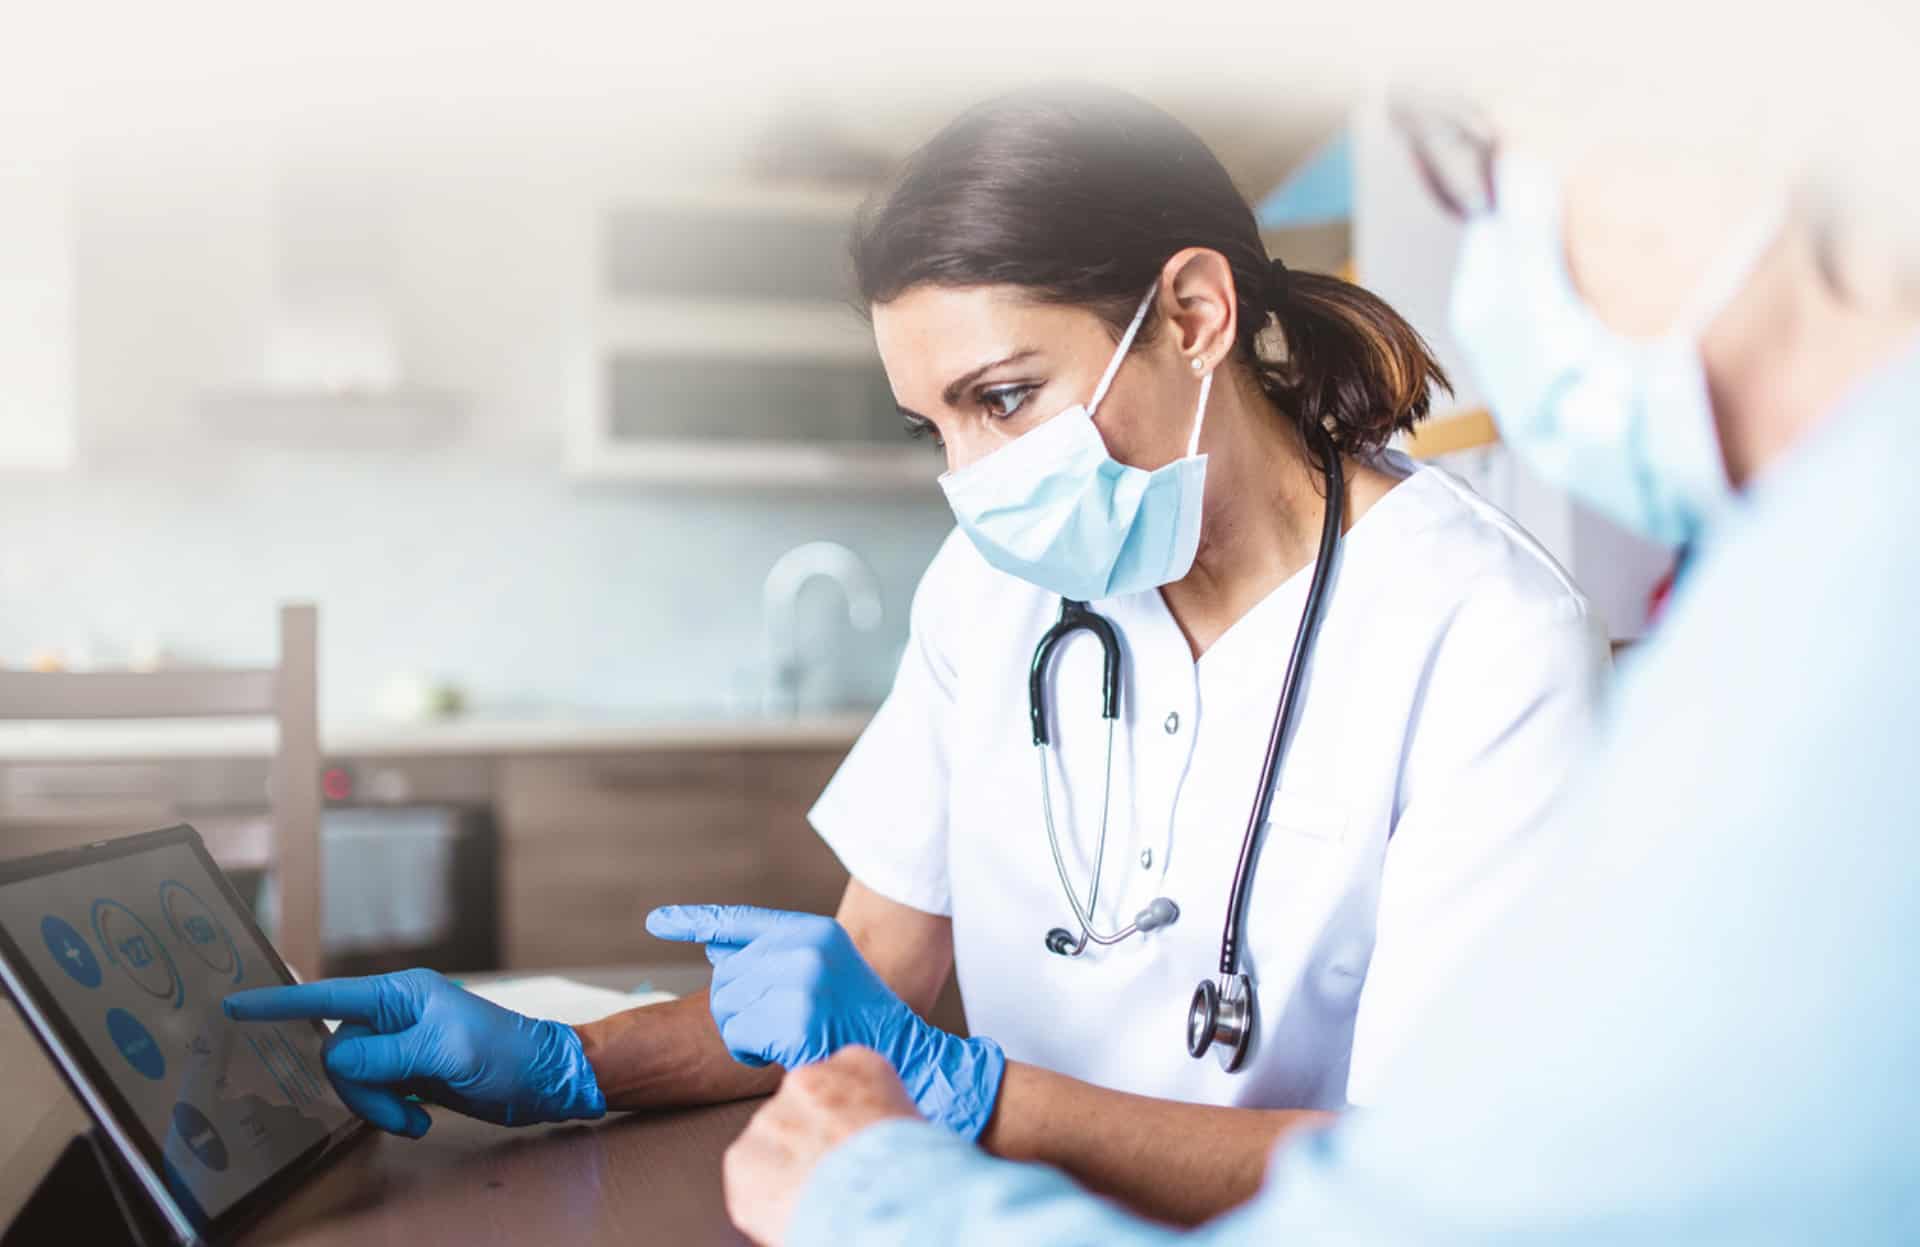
x=1289 y=596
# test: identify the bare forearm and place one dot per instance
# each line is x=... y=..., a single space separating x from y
x=668 y=1055
x=1178 y=1162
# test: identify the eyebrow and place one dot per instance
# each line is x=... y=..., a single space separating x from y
x=951 y=394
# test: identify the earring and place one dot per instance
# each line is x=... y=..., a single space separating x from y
x=1199 y=365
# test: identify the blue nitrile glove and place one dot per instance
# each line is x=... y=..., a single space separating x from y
x=414 y=1032
x=790 y=989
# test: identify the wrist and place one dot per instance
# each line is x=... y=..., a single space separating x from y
x=991 y=1066
x=958 y=1087
x=572 y=1092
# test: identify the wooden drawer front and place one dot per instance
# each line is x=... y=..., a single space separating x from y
x=804 y=875
x=586 y=903
x=698 y=797
x=801 y=871
x=796 y=778
x=422 y=781
x=589 y=845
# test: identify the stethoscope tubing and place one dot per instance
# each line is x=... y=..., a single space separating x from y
x=1285 y=712
x=1083 y=915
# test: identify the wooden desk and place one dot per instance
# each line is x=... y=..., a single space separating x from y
x=628 y=1178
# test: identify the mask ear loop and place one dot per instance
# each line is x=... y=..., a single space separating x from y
x=1120 y=353
x=1200 y=414
x=1730 y=273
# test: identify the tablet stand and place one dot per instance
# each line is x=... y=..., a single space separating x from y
x=88 y=1197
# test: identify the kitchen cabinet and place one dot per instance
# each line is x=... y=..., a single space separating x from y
x=589 y=844
x=723 y=349
x=799 y=871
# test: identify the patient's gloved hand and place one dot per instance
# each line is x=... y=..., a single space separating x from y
x=791 y=989
x=416 y=1033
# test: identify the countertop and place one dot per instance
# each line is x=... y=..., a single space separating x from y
x=468 y=736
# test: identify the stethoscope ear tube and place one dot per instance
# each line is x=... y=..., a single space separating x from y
x=1074 y=617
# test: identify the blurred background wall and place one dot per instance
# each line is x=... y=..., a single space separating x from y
x=459 y=278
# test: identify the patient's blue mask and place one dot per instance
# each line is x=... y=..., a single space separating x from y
x=1624 y=424
x=1055 y=509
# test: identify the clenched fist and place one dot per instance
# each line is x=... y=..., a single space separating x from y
x=817 y=1108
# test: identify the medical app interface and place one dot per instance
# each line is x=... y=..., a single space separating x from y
x=139 y=951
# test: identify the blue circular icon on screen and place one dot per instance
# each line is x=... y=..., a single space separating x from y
x=195 y=924
x=136 y=1043
x=70 y=951
x=199 y=1135
x=130 y=944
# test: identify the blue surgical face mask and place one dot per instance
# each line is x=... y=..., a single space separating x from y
x=1055 y=509
x=1625 y=425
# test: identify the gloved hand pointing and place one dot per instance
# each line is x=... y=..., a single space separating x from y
x=791 y=989
x=414 y=1032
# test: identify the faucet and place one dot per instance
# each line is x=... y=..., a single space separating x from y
x=791 y=573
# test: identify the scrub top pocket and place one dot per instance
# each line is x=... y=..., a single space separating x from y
x=1301 y=880
x=1310 y=823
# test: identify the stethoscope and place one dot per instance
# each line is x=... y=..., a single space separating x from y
x=1221 y=1013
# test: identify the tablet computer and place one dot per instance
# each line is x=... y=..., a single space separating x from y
x=118 y=955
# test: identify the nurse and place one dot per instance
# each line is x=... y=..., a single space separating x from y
x=1698 y=1024
x=1135 y=403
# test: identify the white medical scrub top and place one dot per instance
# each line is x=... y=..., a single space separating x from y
x=1455 y=681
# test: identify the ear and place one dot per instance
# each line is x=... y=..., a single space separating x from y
x=1200 y=304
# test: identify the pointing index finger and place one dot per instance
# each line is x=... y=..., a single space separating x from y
x=733 y=925
x=347 y=1000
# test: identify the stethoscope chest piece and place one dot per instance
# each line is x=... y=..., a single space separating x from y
x=1221 y=1018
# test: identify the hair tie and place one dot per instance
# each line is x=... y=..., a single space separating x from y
x=1279 y=285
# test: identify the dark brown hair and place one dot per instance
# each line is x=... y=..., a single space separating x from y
x=1081 y=195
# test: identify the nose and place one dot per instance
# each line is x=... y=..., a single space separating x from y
x=970 y=447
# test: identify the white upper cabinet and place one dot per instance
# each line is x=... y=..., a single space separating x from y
x=725 y=349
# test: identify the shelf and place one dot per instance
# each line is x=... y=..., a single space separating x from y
x=1450 y=432
x=734 y=328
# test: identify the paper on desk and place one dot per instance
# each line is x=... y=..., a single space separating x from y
x=561 y=999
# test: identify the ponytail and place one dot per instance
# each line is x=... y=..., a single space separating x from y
x=1352 y=366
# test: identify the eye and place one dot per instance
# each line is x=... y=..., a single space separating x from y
x=1003 y=400
x=919 y=427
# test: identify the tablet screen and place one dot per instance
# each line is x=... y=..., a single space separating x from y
x=136 y=952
